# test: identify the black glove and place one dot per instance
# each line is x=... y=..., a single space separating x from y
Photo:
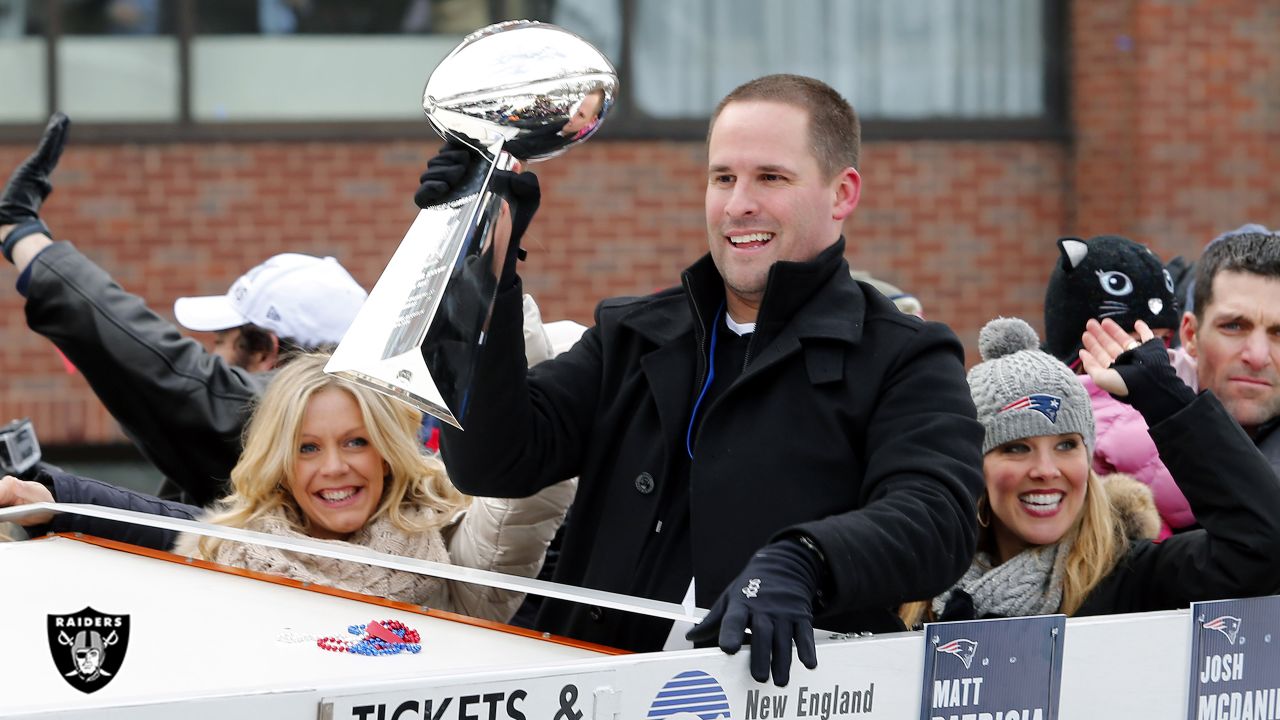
x=444 y=174
x=774 y=596
x=1155 y=390
x=454 y=172
x=959 y=607
x=29 y=185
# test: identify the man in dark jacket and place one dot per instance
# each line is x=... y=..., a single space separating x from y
x=1234 y=332
x=183 y=406
x=773 y=438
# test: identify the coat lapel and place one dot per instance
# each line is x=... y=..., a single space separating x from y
x=815 y=329
x=669 y=368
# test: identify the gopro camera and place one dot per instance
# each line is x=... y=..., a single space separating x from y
x=19 y=449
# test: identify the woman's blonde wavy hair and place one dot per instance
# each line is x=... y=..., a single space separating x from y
x=1098 y=544
x=260 y=479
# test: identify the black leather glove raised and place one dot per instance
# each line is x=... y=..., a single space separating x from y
x=1155 y=390
x=29 y=185
x=454 y=172
x=774 y=597
x=444 y=174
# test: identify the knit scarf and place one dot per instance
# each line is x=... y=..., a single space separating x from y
x=1030 y=583
x=380 y=535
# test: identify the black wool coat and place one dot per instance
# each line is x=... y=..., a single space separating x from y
x=851 y=423
x=1232 y=489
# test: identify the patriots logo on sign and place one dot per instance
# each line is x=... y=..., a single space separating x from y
x=961 y=648
x=1227 y=625
x=1046 y=405
x=691 y=695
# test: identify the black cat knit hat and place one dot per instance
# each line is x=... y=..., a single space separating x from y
x=1021 y=392
x=1104 y=277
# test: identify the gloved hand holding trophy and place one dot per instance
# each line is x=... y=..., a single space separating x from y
x=513 y=91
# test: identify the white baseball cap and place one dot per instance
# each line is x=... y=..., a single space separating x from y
x=309 y=300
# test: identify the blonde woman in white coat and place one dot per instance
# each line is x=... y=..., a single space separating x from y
x=327 y=459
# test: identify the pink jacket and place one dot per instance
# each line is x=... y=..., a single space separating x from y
x=1123 y=445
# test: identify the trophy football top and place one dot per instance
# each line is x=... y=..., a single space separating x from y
x=536 y=88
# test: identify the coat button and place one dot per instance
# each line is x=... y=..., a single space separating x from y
x=644 y=483
x=596 y=613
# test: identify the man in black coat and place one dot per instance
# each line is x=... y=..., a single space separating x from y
x=772 y=439
x=1232 y=332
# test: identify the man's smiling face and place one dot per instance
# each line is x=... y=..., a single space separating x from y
x=767 y=198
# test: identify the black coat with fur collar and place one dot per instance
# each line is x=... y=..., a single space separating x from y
x=851 y=422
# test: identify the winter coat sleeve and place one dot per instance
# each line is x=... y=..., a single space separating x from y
x=183 y=406
x=527 y=428
x=506 y=536
x=1236 y=498
x=68 y=488
x=916 y=530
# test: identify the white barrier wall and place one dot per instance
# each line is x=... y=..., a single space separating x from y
x=205 y=644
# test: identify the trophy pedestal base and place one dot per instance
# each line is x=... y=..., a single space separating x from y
x=403 y=376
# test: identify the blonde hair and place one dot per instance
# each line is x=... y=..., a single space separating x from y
x=260 y=480
x=1098 y=544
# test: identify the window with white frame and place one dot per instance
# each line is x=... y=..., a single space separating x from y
x=894 y=59
x=193 y=64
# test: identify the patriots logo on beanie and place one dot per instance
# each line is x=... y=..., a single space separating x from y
x=1046 y=405
x=1015 y=376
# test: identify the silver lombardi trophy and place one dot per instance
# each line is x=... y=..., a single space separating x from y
x=516 y=90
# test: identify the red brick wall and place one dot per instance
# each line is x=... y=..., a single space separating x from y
x=1177 y=119
x=1174 y=126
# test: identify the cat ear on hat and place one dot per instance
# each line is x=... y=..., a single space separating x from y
x=1070 y=299
x=1074 y=250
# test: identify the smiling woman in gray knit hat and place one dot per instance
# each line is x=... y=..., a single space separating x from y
x=1056 y=537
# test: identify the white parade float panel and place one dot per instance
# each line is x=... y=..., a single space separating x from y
x=208 y=643
x=200 y=633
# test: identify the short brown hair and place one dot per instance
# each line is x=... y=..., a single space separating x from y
x=1250 y=252
x=835 y=134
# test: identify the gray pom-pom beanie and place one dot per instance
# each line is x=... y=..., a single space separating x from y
x=1022 y=392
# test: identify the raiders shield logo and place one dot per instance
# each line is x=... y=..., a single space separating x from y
x=88 y=647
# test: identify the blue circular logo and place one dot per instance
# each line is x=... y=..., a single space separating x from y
x=691 y=695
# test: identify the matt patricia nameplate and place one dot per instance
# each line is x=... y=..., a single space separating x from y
x=1008 y=668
